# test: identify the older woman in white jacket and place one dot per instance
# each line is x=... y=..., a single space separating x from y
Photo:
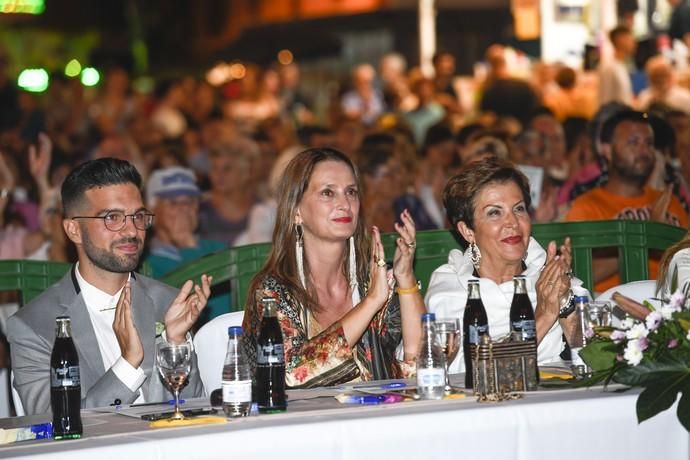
x=488 y=204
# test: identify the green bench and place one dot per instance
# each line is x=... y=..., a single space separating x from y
x=238 y=265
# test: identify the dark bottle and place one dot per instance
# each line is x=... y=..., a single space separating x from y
x=65 y=385
x=474 y=325
x=522 y=324
x=270 y=362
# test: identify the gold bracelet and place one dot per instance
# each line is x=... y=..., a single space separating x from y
x=411 y=290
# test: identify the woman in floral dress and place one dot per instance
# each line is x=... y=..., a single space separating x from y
x=344 y=316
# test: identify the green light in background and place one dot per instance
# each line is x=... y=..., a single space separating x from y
x=90 y=76
x=22 y=6
x=73 y=68
x=34 y=80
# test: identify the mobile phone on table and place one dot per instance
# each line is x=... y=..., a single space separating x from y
x=186 y=413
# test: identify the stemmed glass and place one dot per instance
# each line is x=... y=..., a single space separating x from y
x=448 y=336
x=174 y=364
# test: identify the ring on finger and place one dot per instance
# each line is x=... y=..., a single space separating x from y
x=380 y=262
x=411 y=244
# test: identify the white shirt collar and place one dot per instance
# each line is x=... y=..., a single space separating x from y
x=96 y=300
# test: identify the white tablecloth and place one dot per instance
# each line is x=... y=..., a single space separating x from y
x=571 y=424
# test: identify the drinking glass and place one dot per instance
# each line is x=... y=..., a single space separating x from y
x=174 y=364
x=448 y=336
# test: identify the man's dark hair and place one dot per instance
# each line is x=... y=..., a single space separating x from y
x=437 y=134
x=612 y=123
x=96 y=173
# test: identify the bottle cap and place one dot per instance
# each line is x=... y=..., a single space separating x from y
x=581 y=299
x=235 y=330
x=428 y=317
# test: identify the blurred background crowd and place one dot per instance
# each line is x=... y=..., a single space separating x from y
x=212 y=144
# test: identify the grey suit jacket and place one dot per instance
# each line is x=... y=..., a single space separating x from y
x=31 y=333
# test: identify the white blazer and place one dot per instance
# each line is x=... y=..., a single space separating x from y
x=447 y=295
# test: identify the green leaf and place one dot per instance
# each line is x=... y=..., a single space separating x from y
x=599 y=355
x=684 y=407
x=665 y=368
x=657 y=397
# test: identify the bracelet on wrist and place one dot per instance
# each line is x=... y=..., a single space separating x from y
x=410 y=290
x=567 y=306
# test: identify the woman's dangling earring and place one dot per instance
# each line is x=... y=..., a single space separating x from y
x=475 y=254
x=299 y=254
x=352 y=262
x=524 y=257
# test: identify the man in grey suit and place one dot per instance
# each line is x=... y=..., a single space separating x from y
x=117 y=315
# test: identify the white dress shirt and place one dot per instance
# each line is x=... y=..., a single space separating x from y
x=447 y=296
x=101 y=308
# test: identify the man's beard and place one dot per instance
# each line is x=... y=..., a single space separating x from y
x=107 y=260
x=629 y=172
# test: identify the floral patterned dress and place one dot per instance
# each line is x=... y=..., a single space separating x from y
x=324 y=358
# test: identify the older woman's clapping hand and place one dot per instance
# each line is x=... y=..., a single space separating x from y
x=403 y=269
x=553 y=284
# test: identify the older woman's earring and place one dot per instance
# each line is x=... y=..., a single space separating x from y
x=524 y=257
x=299 y=254
x=352 y=262
x=475 y=254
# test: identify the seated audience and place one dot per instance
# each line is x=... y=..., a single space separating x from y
x=114 y=311
x=173 y=196
x=487 y=203
x=340 y=316
x=628 y=146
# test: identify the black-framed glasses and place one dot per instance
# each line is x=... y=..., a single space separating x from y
x=116 y=220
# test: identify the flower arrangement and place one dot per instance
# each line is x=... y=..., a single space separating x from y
x=650 y=350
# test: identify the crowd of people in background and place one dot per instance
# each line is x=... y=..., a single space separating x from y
x=211 y=157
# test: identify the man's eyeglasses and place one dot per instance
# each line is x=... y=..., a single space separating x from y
x=116 y=220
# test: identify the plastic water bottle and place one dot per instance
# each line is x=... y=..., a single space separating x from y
x=431 y=374
x=237 y=379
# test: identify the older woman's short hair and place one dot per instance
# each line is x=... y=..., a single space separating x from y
x=461 y=191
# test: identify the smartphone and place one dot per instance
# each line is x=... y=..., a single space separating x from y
x=187 y=413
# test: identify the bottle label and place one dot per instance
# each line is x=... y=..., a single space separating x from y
x=431 y=377
x=476 y=332
x=527 y=328
x=270 y=354
x=237 y=391
x=65 y=376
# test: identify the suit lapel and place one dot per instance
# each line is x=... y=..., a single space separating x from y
x=144 y=310
x=90 y=359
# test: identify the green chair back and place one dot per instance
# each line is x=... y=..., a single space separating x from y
x=633 y=239
x=30 y=277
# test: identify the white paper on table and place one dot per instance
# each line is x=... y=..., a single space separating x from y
x=535 y=175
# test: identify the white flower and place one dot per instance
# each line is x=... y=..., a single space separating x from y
x=653 y=320
x=667 y=311
x=688 y=336
x=633 y=353
x=637 y=331
x=617 y=336
x=677 y=300
x=627 y=323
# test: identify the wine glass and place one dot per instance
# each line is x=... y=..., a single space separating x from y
x=448 y=336
x=174 y=364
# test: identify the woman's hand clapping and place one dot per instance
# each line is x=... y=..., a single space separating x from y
x=403 y=269
x=554 y=282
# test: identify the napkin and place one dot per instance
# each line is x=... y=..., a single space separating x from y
x=204 y=420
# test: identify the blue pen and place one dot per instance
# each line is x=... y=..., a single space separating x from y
x=374 y=386
x=367 y=400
